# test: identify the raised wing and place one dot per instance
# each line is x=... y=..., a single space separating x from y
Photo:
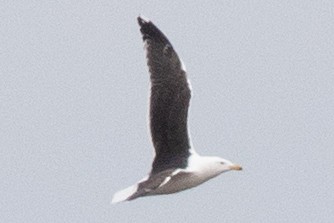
x=169 y=101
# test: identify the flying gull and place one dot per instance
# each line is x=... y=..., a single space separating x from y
x=176 y=165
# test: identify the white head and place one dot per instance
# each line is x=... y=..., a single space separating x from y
x=224 y=165
x=211 y=166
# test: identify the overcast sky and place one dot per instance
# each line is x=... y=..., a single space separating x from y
x=74 y=96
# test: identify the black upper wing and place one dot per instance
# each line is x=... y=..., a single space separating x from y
x=169 y=102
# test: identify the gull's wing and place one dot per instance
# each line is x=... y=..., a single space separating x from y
x=169 y=101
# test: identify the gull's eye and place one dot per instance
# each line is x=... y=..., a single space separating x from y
x=222 y=163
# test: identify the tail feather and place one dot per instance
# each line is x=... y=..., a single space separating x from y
x=125 y=194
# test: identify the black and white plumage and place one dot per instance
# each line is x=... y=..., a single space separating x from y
x=176 y=165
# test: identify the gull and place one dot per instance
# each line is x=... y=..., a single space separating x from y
x=176 y=166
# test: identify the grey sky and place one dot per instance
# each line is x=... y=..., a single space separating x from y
x=73 y=109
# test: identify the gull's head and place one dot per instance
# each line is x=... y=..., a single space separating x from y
x=225 y=165
x=211 y=165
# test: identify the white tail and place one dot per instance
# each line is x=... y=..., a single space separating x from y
x=124 y=194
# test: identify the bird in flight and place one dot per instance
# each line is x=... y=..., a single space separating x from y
x=176 y=166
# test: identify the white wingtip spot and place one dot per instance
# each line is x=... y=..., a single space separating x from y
x=144 y=18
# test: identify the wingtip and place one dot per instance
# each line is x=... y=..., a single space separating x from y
x=142 y=20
